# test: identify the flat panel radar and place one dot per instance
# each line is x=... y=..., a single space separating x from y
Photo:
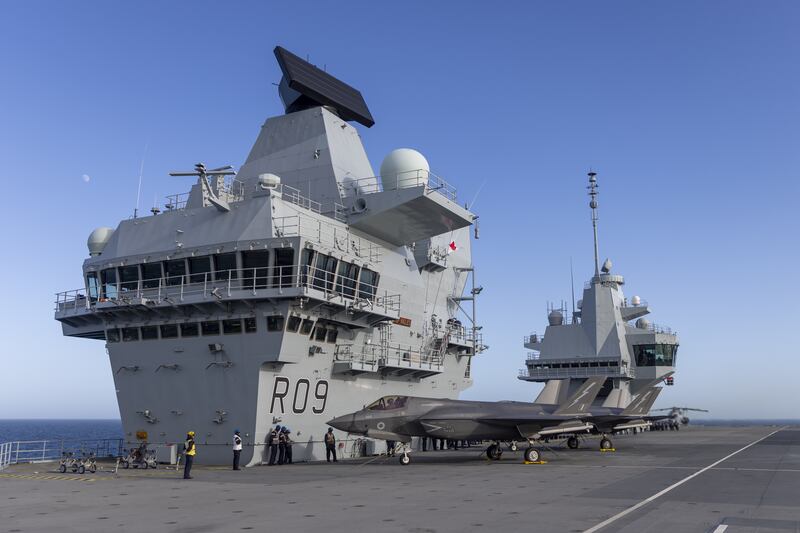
x=304 y=85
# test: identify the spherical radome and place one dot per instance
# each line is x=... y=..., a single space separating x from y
x=404 y=168
x=98 y=239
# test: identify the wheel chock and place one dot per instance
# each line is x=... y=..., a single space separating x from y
x=534 y=462
x=608 y=449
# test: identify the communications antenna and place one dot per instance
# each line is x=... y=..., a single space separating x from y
x=593 y=204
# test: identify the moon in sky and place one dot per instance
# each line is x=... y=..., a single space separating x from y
x=86 y=178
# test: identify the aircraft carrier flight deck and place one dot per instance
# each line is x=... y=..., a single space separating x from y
x=699 y=479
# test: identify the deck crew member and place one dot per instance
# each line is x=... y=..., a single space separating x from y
x=288 y=432
x=237 y=449
x=281 y=446
x=189 y=451
x=272 y=444
x=330 y=445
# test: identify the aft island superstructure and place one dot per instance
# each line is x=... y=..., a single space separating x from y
x=301 y=287
x=607 y=335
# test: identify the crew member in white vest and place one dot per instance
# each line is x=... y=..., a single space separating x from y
x=237 y=449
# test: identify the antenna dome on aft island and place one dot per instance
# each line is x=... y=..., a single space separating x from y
x=404 y=168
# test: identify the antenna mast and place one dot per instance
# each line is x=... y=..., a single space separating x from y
x=593 y=204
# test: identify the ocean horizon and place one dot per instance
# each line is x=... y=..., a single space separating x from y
x=66 y=429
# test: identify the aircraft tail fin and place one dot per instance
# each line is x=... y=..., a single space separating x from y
x=642 y=403
x=580 y=402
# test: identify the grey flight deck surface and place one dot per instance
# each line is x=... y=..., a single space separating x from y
x=753 y=490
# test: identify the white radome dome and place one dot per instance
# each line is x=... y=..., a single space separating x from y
x=268 y=181
x=402 y=167
x=98 y=239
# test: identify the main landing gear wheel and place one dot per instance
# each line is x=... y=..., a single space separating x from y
x=606 y=444
x=573 y=443
x=62 y=468
x=93 y=469
x=494 y=452
x=405 y=459
x=81 y=469
x=532 y=455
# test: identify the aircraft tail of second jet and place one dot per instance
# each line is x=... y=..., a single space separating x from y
x=581 y=400
x=642 y=403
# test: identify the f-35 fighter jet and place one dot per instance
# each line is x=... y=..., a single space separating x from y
x=399 y=418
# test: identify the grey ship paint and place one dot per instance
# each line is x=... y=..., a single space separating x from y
x=300 y=288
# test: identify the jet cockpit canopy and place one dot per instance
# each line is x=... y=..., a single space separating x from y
x=388 y=403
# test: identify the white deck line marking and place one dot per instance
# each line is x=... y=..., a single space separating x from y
x=721 y=528
x=644 y=502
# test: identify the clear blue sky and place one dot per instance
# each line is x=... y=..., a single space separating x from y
x=688 y=110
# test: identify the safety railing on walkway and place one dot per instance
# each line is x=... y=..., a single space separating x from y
x=35 y=451
x=334 y=287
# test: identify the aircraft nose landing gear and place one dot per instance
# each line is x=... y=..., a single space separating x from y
x=405 y=459
x=606 y=444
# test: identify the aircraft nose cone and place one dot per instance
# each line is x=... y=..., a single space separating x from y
x=343 y=423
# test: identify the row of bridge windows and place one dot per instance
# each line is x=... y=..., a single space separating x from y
x=255 y=269
x=317 y=330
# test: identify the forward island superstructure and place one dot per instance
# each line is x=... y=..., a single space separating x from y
x=298 y=288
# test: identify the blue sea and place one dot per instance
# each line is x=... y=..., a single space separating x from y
x=66 y=430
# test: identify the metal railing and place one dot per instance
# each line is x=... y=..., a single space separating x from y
x=581 y=372
x=376 y=356
x=326 y=234
x=34 y=451
x=405 y=180
x=533 y=338
x=231 y=190
x=331 y=287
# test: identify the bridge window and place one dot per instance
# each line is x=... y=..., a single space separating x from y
x=169 y=331
x=293 y=323
x=275 y=323
x=112 y=335
x=175 y=270
x=250 y=325
x=347 y=279
x=655 y=354
x=151 y=275
x=388 y=402
x=306 y=266
x=231 y=326
x=320 y=332
x=93 y=286
x=325 y=272
x=367 y=284
x=225 y=266
x=199 y=267
x=129 y=278
x=210 y=327
x=333 y=334
x=284 y=267
x=190 y=329
x=149 y=333
x=130 y=334
x=307 y=326
x=255 y=264
x=108 y=280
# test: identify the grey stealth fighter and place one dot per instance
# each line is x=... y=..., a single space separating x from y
x=401 y=417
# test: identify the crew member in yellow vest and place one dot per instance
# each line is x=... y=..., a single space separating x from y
x=189 y=451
